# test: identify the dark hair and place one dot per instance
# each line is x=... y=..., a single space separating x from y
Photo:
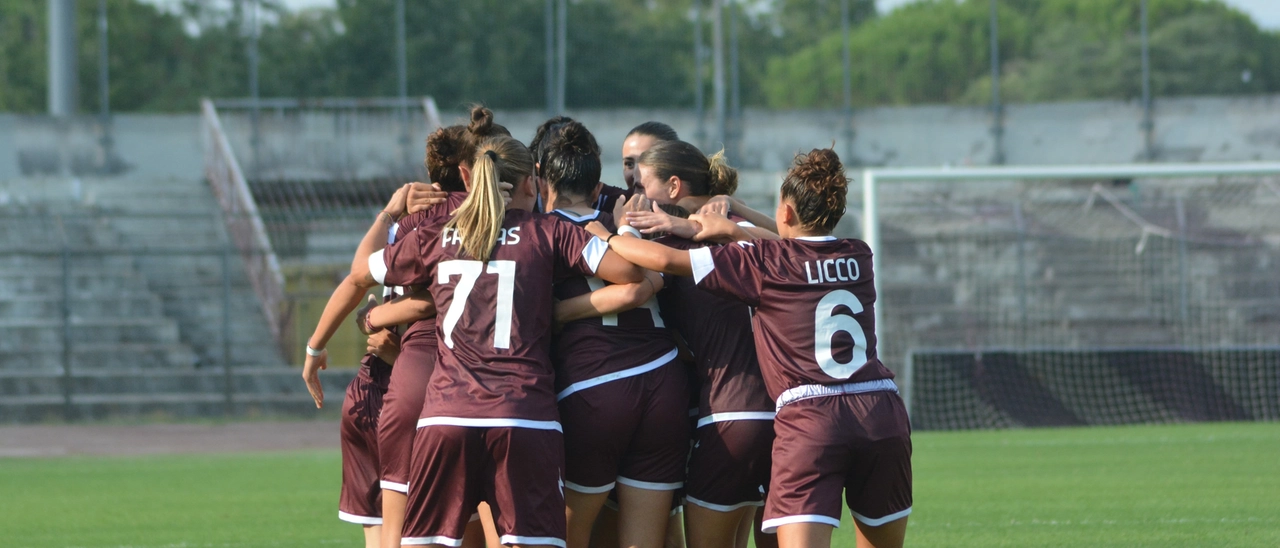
x=540 y=137
x=706 y=176
x=448 y=147
x=674 y=210
x=657 y=130
x=817 y=186
x=481 y=126
x=570 y=161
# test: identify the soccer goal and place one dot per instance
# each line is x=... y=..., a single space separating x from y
x=1039 y=296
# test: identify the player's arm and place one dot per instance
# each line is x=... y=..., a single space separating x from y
x=345 y=298
x=610 y=299
x=761 y=226
x=717 y=228
x=409 y=308
x=375 y=239
x=651 y=255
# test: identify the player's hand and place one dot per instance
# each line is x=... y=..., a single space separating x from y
x=637 y=203
x=652 y=222
x=423 y=196
x=362 y=316
x=311 y=375
x=720 y=205
x=598 y=230
x=385 y=345
x=505 y=189
x=396 y=205
x=716 y=228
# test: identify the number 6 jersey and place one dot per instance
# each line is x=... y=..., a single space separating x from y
x=493 y=317
x=814 y=306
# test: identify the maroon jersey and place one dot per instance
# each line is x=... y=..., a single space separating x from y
x=633 y=341
x=494 y=366
x=718 y=332
x=609 y=196
x=814 y=302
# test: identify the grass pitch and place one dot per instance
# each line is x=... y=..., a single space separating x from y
x=1179 y=485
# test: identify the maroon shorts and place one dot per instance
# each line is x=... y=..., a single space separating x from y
x=400 y=411
x=516 y=470
x=361 y=498
x=729 y=465
x=858 y=443
x=634 y=431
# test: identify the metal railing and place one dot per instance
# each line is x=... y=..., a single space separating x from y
x=244 y=224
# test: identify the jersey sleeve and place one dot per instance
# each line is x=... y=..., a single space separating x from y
x=577 y=251
x=735 y=270
x=400 y=263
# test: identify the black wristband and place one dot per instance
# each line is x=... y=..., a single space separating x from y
x=611 y=236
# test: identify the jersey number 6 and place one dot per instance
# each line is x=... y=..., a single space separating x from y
x=826 y=325
x=470 y=272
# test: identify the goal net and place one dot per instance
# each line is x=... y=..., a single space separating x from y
x=1079 y=295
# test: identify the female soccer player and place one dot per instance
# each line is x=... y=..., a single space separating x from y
x=490 y=429
x=621 y=390
x=840 y=425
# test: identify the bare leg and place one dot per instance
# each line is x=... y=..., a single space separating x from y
x=675 y=531
x=763 y=539
x=805 y=535
x=642 y=519
x=473 y=536
x=393 y=508
x=372 y=535
x=748 y=517
x=711 y=529
x=605 y=532
x=581 y=510
x=490 y=529
x=889 y=535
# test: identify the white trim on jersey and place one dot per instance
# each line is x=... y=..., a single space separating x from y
x=807 y=391
x=489 y=423
x=880 y=521
x=735 y=416
x=701 y=263
x=362 y=520
x=575 y=218
x=771 y=525
x=378 y=267
x=746 y=224
x=531 y=541
x=649 y=485
x=594 y=253
x=721 y=507
x=817 y=238
x=391 y=233
x=423 y=541
x=589 y=490
x=393 y=486
x=617 y=375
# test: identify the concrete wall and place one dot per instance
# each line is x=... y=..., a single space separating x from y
x=1199 y=129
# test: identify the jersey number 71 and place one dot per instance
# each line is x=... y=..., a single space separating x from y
x=470 y=272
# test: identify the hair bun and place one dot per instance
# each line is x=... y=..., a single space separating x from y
x=481 y=120
x=573 y=136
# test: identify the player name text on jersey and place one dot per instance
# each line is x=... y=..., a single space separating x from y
x=508 y=236
x=844 y=269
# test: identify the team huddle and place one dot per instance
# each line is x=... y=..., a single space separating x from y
x=560 y=362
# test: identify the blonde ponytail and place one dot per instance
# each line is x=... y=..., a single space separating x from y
x=479 y=219
x=721 y=179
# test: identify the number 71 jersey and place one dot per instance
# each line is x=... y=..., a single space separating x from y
x=814 y=306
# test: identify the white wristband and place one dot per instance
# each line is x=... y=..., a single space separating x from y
x=314 y=352
x=628 y=229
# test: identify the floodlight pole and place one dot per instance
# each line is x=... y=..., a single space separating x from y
x=402 y=81
x=562 y=48
x=255 y=138
x=997 y=108
x=1148 y=122
x=717 y=69
x=847 y=84
x=735 y=89
x=699 y=91
x=104 y=88
x=549 y=35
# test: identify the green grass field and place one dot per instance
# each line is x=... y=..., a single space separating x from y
x=1180 y=485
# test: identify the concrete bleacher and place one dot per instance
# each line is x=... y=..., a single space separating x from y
x=145 y=268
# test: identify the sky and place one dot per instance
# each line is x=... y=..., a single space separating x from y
x=1265 y=12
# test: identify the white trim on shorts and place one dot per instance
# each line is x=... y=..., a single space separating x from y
x=393 y=486
x=771 y=525
x=362 y=520
x=490 y=423
x=881 y=521
x=589 y=490
x=420 y=541
x=721 y=507
x=736 y=416
x=618 y=375
x=807 y=391
x=531 y=541
x=649 y=485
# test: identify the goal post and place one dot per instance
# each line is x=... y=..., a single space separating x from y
x=1029 y=224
